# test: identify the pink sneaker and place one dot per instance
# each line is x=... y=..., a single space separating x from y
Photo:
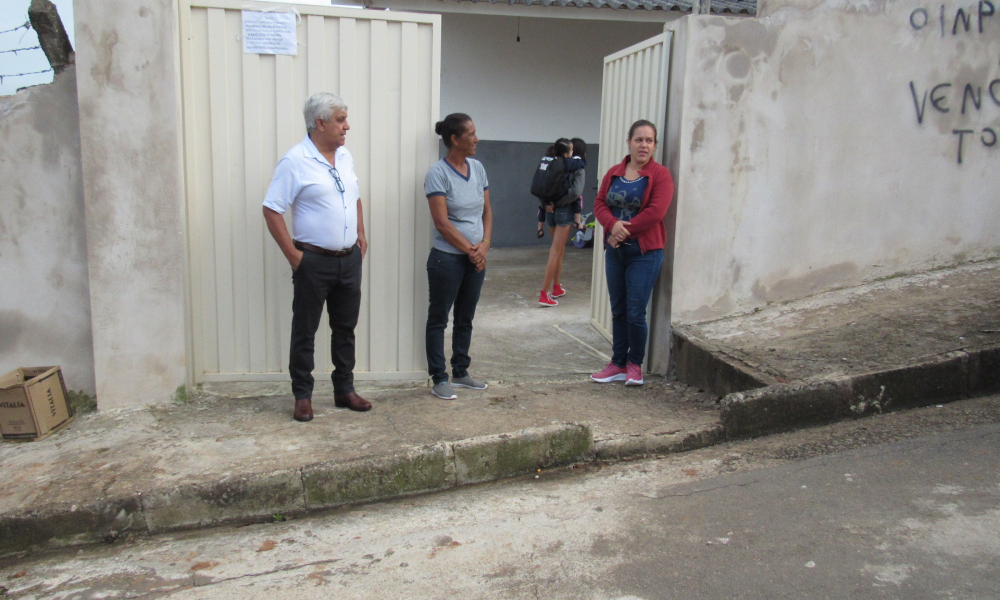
x=558 y=291
x=634 y=374
x=610 y=373
x=546 y=300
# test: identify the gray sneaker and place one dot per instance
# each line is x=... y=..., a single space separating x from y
x=444 y=391
x=468 y=382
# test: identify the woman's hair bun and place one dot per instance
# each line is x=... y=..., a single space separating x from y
x=452 y=125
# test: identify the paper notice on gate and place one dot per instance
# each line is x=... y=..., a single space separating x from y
x=269 y=33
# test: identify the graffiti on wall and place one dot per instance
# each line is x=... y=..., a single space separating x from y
x=957 y=97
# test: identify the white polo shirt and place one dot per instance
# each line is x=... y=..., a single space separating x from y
x=321 y=214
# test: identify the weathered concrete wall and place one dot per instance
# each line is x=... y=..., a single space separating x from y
x=44 y=296
x=806 y=161
x=130 y=132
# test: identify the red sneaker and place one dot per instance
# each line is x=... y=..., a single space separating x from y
x=610 y=373
x=546 y=300
x=634 y=374
x=558 y=291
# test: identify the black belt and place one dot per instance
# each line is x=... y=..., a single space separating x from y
x=323 y=251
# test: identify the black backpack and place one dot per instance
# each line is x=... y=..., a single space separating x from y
x=550 y=183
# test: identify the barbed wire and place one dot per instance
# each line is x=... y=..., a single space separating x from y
x=16 y=50
x=2 y=77
x=26 y=25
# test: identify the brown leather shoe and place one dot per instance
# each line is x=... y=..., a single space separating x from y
x=352 y=401
x=303 y=410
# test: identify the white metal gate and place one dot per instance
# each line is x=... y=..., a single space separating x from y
x=635 y=87
x=242 y=112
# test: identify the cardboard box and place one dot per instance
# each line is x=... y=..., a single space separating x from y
x=32 y=403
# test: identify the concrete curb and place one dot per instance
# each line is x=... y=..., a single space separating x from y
x=259 y=497
x=57 y=525
x=332 y=484
x=251 y=498
x=641 y=446
x=248 y=497
x=704 y=365
x=781 y=407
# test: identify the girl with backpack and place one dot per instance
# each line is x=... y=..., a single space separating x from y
x=577 y=162
x=561 y=213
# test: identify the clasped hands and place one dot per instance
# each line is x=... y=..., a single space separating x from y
x=618 y=233
x=478 y=255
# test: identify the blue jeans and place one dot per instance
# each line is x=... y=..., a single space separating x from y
x=631 y=275
x=561 y=215
x=453 y=282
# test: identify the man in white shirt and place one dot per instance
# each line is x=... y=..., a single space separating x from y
x=316 y=180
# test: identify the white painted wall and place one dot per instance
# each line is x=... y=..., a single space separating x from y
x=799 y=159
x=546 y=86
x=44 y=297
x=130 y=132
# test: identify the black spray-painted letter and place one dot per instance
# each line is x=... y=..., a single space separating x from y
x=983 y=4
x=993 y=93
x=919 y=105
x=971 y=93
x=961 y=138
x=939 y=101
x=966 y=21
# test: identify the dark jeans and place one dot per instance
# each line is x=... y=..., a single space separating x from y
x=335 y=281
x=453 y=281
x=631 y=275
x=561 y=215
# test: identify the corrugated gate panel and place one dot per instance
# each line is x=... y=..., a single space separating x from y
x=242 y=112
x=634 y=87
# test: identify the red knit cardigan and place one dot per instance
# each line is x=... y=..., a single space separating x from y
x=647 y=226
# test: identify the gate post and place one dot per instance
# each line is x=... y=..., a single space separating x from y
x=128 y=91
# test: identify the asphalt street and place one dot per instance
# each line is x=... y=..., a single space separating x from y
x=902 y=505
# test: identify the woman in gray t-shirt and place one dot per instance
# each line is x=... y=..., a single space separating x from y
x=458 y=195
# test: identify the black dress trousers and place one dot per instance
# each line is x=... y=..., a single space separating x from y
x=336 y=281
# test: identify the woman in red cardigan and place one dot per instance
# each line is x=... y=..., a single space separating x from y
x=631 y=204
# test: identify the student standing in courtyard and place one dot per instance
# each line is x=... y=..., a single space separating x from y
x=561 y=214
x=459 y=199
x=630 y=205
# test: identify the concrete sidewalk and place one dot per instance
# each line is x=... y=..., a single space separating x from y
x=222 y=460
x=234 y=455
x=907 y=341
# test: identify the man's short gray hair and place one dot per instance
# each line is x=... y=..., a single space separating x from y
x=321 y=106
